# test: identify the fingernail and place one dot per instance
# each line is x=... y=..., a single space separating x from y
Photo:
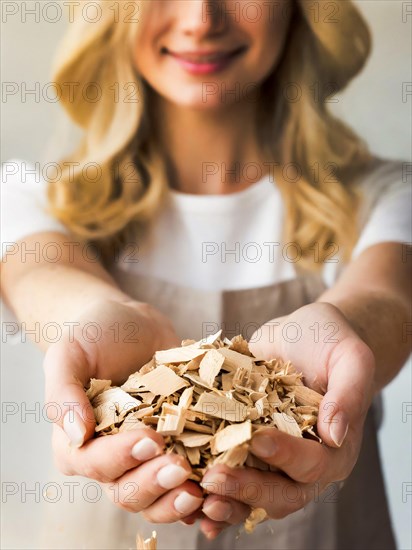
x=145 y=449
x=74 y=428
x=338 y=429
x=218 y=511
x=219 y=483
x=171 y=476
x=185 y=503
x=263 y=445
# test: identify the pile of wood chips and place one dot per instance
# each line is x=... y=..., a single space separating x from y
x=207 y=399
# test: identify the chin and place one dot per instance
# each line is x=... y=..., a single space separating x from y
x=198 y=99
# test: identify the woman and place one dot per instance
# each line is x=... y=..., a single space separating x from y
x=217 y=191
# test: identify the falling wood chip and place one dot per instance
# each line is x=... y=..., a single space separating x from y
x=146 y=544
x=207 y=398
x=256 y=516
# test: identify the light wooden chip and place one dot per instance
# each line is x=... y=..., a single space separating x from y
x=132 y=384
x=186 y=398
x=105 y=416
x=97 y=387
x=209 y=340
x=227 y=381
x=162 y=381
x=307 y=396
x=234 y=457
x=234 y=360
x=256 y=516
x=210 y=366
x=231 y=436
x=193 y=439
x=286 y=424
x=239 y=344
x=146 y=544
x=178 y=355
x=193 y=455
x=221 y=407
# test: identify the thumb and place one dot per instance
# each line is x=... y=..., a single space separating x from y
x=349 y=391
x=67 y=371
x=265 y=342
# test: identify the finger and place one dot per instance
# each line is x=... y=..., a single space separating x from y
x=350 y=385
x=211 y=529
x=107 y=458
x=278 y=495
x=140 y=487
x=225 y=510
x=67 y=369
x=191 y=518
x=301 y=459
x=175 y=504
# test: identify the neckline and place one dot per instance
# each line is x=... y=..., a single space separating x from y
x=259 y=190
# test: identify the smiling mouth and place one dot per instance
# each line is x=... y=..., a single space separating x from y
x=204 y=57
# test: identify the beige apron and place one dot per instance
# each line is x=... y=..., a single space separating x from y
x=356 y=517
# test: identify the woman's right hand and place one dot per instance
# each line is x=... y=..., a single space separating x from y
x=110 y=340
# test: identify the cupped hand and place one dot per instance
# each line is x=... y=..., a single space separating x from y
x=321 y=343
x=111 y=340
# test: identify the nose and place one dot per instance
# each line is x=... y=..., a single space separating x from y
x=199 y=18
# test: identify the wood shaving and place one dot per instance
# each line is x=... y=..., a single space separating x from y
x=146 y=544
x=208 y=398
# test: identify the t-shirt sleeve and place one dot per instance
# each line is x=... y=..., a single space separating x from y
x=386 y=206
x=384 y=213
x=24 y=204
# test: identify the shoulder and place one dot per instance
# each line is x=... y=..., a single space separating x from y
x=384 y=176
x=24 y=202
x=21 y=174
x=384 y=182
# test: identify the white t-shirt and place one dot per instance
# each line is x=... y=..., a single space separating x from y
x=218 y=242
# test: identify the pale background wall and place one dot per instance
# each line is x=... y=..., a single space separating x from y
x=373 y=105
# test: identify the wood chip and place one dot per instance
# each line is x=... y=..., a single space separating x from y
x=210 y=366
x=234 y=360
x=178 y=355
x=221 y=407
x=97 y=387
x=162 y=381
x=193 y=439
x=256 y=516
x=231 y=436
x=146 y=544
x=287 y=424
x=307 y=396
x=207 y=398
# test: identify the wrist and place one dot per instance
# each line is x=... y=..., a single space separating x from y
x=161 y=329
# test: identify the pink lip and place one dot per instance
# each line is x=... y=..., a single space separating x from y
x=204 y=62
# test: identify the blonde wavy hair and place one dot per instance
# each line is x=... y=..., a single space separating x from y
x=320 y=57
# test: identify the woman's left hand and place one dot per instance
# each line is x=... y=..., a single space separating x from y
x=320 y=342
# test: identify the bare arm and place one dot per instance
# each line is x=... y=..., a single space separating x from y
x=75 y=291
x=370 y=308
x=374 y=294
x=43 y=291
